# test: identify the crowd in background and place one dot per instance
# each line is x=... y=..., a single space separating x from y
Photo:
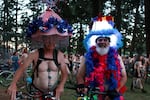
x=137 y=67
x=14 y=58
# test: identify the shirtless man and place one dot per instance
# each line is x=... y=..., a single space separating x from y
x=82 y=70
x=45 y=65
x=102 y=67
x=46 y=80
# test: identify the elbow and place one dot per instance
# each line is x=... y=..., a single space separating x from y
x=125 y=79
x=78 y=77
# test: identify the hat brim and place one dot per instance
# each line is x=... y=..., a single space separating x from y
x=48 y=24
x=61 y=42
x=114 y=35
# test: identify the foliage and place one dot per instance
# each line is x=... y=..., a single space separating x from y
x=129 y=19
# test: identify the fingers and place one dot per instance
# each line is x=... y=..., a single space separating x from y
x=58 y=95
x=82 y=90
x=12 y=94
x=107 y=98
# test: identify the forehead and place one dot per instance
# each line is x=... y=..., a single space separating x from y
x=49 y=40
x=45 y=37
x=102 y=38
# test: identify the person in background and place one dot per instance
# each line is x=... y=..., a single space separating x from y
x=147 y=65
x=22 y=60
x=137 y=78
x=70 y=58
x=24 y=54
x=102 y=67
x=76 y=64
x=14 y=60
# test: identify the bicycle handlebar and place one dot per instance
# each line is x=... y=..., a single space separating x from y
x=93 y=94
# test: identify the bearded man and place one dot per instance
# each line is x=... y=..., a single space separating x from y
x=102 y=66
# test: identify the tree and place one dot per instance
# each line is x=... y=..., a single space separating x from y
x=77 y=12
x=129 y=19
x=147 y=25
x=131 y=24
x=7 y=20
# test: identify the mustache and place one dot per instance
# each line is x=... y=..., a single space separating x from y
x=102 y=45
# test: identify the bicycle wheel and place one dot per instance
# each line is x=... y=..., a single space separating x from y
x=6 y=78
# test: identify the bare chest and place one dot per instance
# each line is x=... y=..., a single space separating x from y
x=47 y=66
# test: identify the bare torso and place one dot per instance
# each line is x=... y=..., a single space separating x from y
x=47 y=76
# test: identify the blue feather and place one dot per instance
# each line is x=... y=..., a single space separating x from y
x=37 y=24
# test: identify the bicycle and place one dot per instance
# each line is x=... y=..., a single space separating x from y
x=6 y=77
x=34 y=95
x=95 y=94
x=92 y=94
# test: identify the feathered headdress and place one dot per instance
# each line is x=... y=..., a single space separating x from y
x=103 y=27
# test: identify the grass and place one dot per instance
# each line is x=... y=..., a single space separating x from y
x=129 y=95
x=137 y=94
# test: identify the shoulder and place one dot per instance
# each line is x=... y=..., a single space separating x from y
x=121 y=62
x=60 y=53
x=119 y=57
x=83 y=58
x=60 y=56
x=25 y=55
x=33 y=54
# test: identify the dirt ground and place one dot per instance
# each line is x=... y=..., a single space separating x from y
x=3 y=95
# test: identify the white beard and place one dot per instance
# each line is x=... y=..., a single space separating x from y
x=102 y=51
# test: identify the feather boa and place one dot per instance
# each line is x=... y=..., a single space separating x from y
x=102 y=70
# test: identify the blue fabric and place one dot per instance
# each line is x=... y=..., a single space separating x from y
x=15 y=64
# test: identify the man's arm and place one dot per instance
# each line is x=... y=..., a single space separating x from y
x=64 y=75
x=80 y=77
x=123 y=75
x=22 y=59
x=13 y=88
x=63 y=68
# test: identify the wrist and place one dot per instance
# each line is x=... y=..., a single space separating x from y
x=117 y=89
x=13 y=83
x=61 y=85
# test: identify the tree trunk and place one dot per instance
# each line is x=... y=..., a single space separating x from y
x=97 y=7
x=118 y=17
x=147 y=25
x=134 y=38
